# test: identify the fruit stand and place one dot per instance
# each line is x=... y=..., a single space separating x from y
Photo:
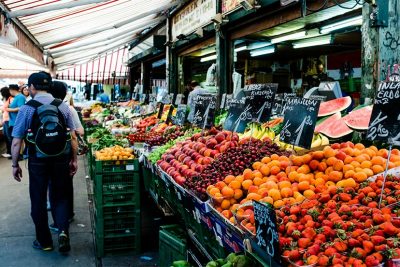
x=326 y=205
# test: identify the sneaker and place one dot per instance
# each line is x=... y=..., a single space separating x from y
x=6 y=155
x=54 y=228
x=63 y=242
x=37 y=245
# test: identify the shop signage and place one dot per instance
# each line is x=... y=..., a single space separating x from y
x=204 y=110
x=193 y=16
x=180 y=116
x=238 y=115
x=260 y=98
x=267 y=237
x=300 y=116
x=385 y=119
x=229 y=5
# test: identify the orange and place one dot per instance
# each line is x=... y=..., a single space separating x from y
x=349 y=174
x=275 y=194
x=328 y=170
x=213 y=191
x=318 y=155
x=257 y=174
x=355 y=163
x=350 y=183
x=239 y=178
x=235 y=184
x=314 y=164
x=225 y=204
x=359 y=146
x=307 y=158
x=246 y=184
x=264 y=169
x=348 y=167
x=329 y=152
x=303 y=186
x=335 y=176
x=252 y=189
x=308 y=193
x=253 y=196
x=274 y=157
x=256 y=165
x=322 y=166
x=366 y=164
x=303 y=177
x=269 y=200
x=281 y=176
x=286 y=192
x=263 y=191
x=283 y=158
x=331 y=161
x=238 y=194
x=284 y=184
x=348 y=151
x=275 y=170
x=229 y=178
x=227 y=192
x=278 y=204
x=319 y=181
x=377 y=169
x=274 y=162
x=297 y=160
x=284 y=164
x=265 y=160
x=299 y=197
x=348 y=160
x=257 y=181
x=269 y=185
x=370 y=152
x=393 y=158
x=329 y=183
x=304 y=169
x=360 y=177
x=356 y=152
x=220 y=185
x=368 y=172
x=210 y=187
x=338 y=166
x=248 y=174
x=293 y=176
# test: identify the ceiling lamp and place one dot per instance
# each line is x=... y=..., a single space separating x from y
x=209 y=58
x=293 y=36
x=241 y=48
x=322 y=40
x=262 y=51
x=355 y=21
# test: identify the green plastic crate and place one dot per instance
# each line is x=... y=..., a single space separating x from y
x=115 y=166
x=117 y=211
x=147 y=176
x=129 y=245
x=124 y=226
x=172 y=244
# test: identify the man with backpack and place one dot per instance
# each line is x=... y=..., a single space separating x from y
x=46 y=125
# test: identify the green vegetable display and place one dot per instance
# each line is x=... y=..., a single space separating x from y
x=108 y=140
x=232 y=260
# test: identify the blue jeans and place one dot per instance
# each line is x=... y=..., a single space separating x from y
x=53 y=172
x=7 y=135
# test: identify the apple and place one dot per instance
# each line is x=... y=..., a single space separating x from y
x=220 y=137
x=193 y=166
x=202 y=150
x=179 y=180
x=207 y=160
x=199 y=168
x=213 y=153
x=211 y=143
x=182 y=157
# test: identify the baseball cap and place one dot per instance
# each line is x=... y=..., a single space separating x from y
x=40 y=78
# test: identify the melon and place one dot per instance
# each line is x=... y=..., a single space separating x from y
x=333 y=106
x=359 y=118
x=334 y=127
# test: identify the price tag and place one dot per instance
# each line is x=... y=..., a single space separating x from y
x=267 y=237
x=171 y=110
x=300 y=116
x=160 y=111
x=260 y=97
x=180 y=116
x=385 y=119
x=204 y=110
x=322 y=98
x=130 y=167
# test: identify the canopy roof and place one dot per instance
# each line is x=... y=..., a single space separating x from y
x=79 y=31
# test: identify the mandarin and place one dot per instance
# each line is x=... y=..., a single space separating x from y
x=275 y=170
x=257 y=181
x=264 y=169
x=238 y=194
x=227 y=192
x=235 y=184
x=225 y=204
x=256 y=165
x=248 y=174
x=265 y=160
x=229 y=178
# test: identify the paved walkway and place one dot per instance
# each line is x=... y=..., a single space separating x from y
x=17 y=230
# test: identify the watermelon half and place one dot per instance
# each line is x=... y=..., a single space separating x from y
x=333 y=106
x=359 y=119
x=334 y=127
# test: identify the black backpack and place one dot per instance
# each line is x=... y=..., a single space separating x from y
x=48 y=135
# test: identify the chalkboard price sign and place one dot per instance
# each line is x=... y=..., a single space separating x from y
x=267 y=237
x=385 y=119
x=260 y=97
x=160 y=111
x=180 y=116
x=171 y=110
x=238 y=115
x=300 y=116
x=280 y=101
x=204 y=110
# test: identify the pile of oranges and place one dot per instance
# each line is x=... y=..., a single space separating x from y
x=281 y=180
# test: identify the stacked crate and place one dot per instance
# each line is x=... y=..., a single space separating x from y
x=116 y=206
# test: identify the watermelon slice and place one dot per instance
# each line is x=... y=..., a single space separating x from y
x=359 y=119
x=334 y=127
x=333 y=106
x=325 y=123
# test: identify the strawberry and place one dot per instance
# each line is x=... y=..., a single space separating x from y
x=323 y=260
x=357 y=214
x=381 y=248
x=368 y=246
x=327 y=223
x=358 y=253
x=377 y=240
x=340 y=245
x=378 y=218
x=330 y=251
x=309 y=233
x=354 y=242
x=294 y=255
x=285 y=241
x=356 y=233
x=303 y=242
x=389 y=229
x=313 y=250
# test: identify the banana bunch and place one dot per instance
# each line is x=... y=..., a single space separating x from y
x=317 y=141
x=258 y=132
